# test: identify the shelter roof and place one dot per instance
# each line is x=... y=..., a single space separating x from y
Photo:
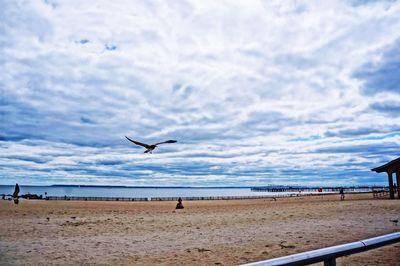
x=390 y=167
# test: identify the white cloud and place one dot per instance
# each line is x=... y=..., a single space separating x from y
x=234 y=82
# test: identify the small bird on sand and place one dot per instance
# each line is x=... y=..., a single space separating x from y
x=395 y=221
x=149 y=147
x=15 y=194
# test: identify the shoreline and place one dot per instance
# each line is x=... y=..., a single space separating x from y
x=291 y=195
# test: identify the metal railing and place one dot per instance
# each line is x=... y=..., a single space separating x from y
x=328 y=255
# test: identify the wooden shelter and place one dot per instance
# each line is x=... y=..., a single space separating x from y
x=390 y=168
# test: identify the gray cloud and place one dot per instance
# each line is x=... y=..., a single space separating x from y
x=382 y=76
x=363 y=131
x=386 y=149
x=391 y=108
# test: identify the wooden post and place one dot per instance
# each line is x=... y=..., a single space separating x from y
x=330 y=262
x=398 y=183
x=391 y=189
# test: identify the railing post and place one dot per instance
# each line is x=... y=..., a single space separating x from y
x=391 y=189
x=330 y=262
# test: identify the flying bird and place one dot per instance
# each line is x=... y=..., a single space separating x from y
x=149 y=148
x=15 y=194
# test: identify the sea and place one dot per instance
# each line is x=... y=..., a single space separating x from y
x=132 y=192
x=154 y=192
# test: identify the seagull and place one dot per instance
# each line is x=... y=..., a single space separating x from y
x=15 y=194
x=150 y=148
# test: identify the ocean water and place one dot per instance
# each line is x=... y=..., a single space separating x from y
x=131 y=192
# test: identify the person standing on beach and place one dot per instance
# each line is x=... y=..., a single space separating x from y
x=15 y=195
x=341 y=192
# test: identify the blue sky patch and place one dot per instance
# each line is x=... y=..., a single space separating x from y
x=110 y=46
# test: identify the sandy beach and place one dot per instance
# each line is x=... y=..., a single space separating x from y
x=204 y=233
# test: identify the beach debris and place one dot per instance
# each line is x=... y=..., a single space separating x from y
x=149 y=147
x=202 y=249
x=77 y=223
x=395 y=221
x=15 y=194
x=48 y=218
x=282 y=245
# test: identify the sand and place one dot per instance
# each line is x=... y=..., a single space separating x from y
x=204 y=233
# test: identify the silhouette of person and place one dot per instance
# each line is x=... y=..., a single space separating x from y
x=341 y=192
x=179 y=205
x=15 y=194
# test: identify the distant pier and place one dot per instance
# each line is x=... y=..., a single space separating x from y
x=317 y=189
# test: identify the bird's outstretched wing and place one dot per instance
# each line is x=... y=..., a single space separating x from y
x=168 y=141
x=16 y=191
x=138 y=143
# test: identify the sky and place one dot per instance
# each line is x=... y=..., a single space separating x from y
x=255 y=92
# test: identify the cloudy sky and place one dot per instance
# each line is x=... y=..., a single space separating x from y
x=255 y=92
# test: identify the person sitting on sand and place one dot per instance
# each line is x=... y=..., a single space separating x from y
x=341 y=192
x=179 y=205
